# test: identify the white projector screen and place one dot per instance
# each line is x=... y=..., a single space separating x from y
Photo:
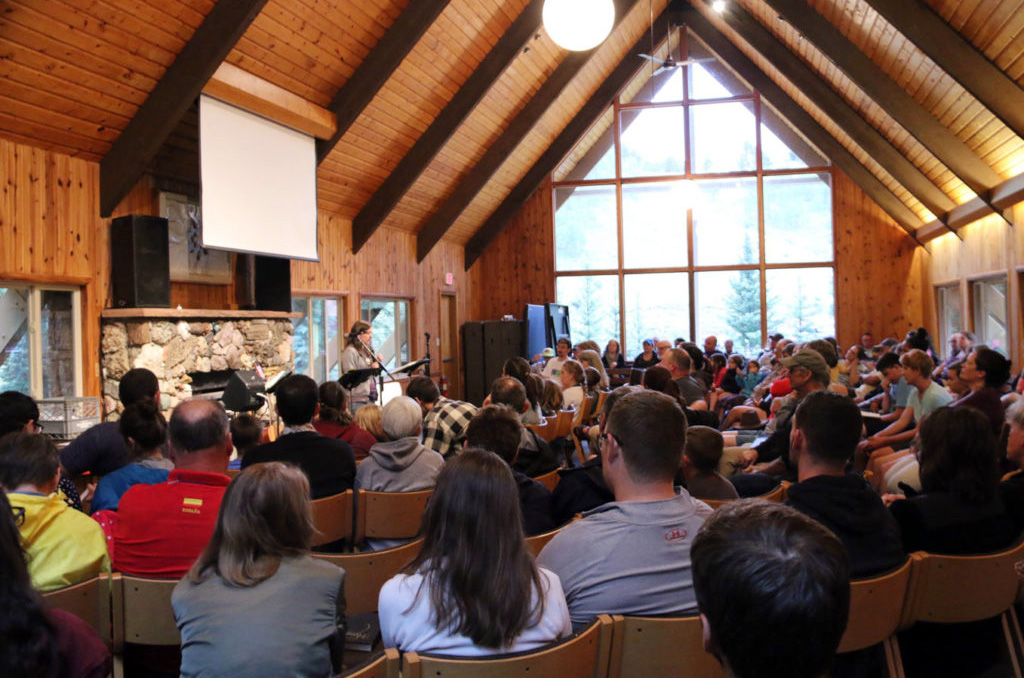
x=258 y=183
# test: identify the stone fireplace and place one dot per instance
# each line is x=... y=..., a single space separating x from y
x=183 y=346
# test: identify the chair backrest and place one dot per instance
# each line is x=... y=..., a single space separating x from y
x=365 y=573
x=563 y=424
x=584 y=411
x=670 y=646
x=89 y=601
x=332 y=518
x=876 y=605
x=716 y=503
x=389 y=515
x=602 y=396
x=142 y=611
x=953 y=589
x=583 y=655
x=385 y=665
x=545 y=430
x=776 y=495
x=549 y=480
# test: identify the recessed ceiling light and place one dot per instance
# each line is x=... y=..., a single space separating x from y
x=718 y=6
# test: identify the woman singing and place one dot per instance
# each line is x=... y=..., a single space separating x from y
x=358 y=355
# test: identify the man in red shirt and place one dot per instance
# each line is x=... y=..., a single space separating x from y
x=161 y=529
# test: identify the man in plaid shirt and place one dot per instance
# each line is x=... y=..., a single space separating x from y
x=444 y=420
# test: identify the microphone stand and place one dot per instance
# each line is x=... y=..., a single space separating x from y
x=380 y=375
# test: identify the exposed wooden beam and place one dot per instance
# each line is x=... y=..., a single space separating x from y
x=594 y=107
x=430 y=143
x=913 y=117
x=477 y=177
x=836 y=108
x=958 y=57
x=140 y=141
x=240 y=88
x=359 y=90
x=801 y=119
x=1004 y=196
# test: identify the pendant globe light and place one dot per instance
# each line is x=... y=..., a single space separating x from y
x=578 y=25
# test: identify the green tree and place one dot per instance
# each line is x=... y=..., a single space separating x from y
x=743 y=303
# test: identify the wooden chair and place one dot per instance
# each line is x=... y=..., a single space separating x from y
x=777 y=495
x=937 y=591
x=233 y=472
x=385 y=665
x=549 y=480
x=876 y=607
x=583 y=655
x=332 y=517
x=546 y=431
x=655 y=646
x=365 y=573
x=563 y=424
x=389 y=515
x=142 y=614
x=602 y=396
x=89 y=601
x=618 y=376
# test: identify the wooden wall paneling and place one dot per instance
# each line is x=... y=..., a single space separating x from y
x=51 y=233
x=333 y=274
x=518 y=266
x=880 y=270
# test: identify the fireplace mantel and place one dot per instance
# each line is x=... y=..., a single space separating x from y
x=195 y=313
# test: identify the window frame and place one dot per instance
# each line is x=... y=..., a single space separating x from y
x=35 y=291
x=409 y=327
x=330 y=359
x=691 y=268
x=973 y=286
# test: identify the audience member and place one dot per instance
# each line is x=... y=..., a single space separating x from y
x=552 y=400
x=327 y=462
x=710 y=346
x=368 y=418
x=102 y=449
x=246 y=433
x=612 y=357
x=444 y=420
x=584 y=488
x=773 y=589
x=589 y=358
x=255 y=603
x=648 y=357
x=826 y=429
x=701 y=455
x=985 y=372
x=402 y=464
x=679 y=364
x=959 y=512
x=553 y=368
x=1012 y=489
x=632 y=556
x=335 y=421
x=497 y=429
x=448 y=600
x=572 y=381
x=39 y=640
x=160 y=529
x=145 y=429
x=19 y=412
x=519 y=369
x=535 y=454
x=64 y=546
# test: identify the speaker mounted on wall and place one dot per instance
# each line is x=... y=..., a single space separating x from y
x=140 y=263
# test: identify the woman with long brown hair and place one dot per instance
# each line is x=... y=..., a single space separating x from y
x=255 y=603
x=358 y=355
x=474 y=589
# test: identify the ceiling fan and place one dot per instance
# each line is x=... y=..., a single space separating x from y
x=670 y=63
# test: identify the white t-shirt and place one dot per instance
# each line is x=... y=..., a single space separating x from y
x=553 y=368
x=414 y=630
x=573 y=397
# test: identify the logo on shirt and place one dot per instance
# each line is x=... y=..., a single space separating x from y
x=677 y=534
x=191 y=505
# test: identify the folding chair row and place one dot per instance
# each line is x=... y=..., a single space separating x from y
x=355 y=516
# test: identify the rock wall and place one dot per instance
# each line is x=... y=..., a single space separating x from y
x=175 y=350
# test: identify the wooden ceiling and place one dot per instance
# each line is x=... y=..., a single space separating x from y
x=445 y=113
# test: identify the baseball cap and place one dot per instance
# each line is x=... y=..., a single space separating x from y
x=548 y=353
x=811 y=360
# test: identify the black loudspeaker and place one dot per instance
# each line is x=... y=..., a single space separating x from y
x=140 y=272
x=272 y=278
x=240 y=394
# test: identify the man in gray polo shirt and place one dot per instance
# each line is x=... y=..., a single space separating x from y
x=632 y=556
